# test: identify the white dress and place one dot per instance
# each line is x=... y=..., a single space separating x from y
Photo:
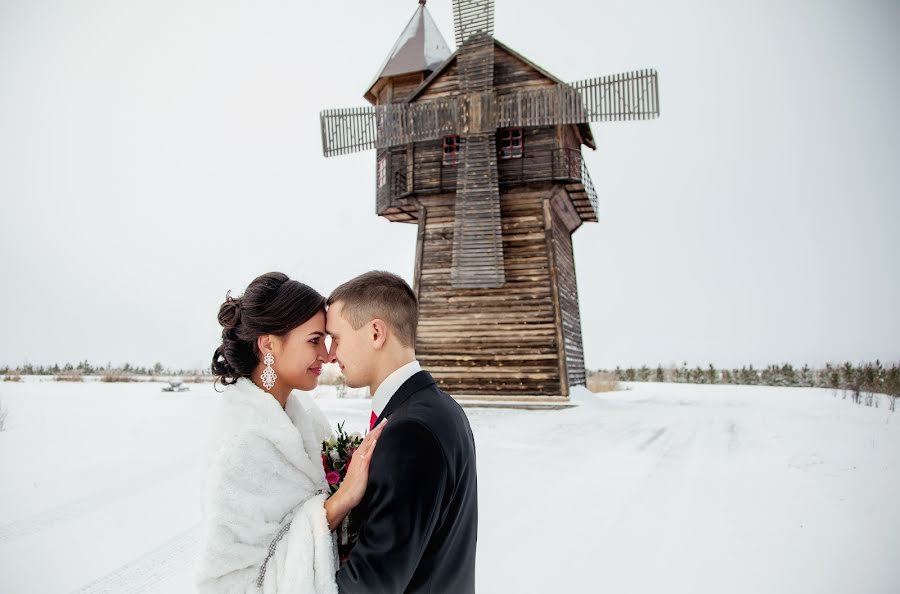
x=265 y=491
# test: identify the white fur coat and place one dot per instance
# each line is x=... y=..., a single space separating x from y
x=265 y=471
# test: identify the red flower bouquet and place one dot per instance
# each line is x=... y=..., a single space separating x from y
x=337 y=452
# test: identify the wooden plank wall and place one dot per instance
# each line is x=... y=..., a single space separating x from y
x=564 y=220
x=446 y=84
x=536 y=163
x=511 y=74
x=404 y=85
x=430 y=176
x=490 y=341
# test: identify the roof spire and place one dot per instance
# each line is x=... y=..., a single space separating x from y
x=420 y=47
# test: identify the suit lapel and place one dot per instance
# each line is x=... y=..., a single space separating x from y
x=418 y=381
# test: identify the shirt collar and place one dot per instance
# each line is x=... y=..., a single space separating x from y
x=391 y=384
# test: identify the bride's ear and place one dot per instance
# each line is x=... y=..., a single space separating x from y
x=265 y=344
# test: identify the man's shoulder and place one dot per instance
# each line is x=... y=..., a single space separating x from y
x=438 y=413
x=430 y=405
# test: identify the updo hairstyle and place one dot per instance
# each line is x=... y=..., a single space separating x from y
x=272 y=304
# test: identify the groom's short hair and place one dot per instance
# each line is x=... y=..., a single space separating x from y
x=382 y=295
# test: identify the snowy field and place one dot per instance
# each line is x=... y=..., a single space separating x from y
x=661 y=488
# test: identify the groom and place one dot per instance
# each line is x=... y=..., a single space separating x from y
x=419 y=517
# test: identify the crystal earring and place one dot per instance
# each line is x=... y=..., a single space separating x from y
x=268 y=374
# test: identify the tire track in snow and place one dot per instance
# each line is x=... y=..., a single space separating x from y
x=652 y=438
x=68 y=511
x=150 y=569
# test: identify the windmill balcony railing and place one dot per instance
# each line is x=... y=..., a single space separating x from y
x=589 y=189
x=548 y=165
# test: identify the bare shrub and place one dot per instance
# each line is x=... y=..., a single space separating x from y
x=70 y=376
x=331 y=375
x=116 y=376
x=4 y=412
x=12 y=378
x=602 y=382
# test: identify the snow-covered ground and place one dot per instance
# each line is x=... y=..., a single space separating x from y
x=661 y=488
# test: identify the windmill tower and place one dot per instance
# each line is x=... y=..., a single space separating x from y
x=481 y=148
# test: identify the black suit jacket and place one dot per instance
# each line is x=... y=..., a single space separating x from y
x=420 y=512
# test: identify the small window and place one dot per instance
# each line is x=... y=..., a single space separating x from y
x=451 y=150
x=382 y=171
x=509 y=143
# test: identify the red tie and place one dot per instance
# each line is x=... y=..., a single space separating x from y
x=372 y=421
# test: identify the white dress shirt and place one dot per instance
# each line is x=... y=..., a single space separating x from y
x=391 y=384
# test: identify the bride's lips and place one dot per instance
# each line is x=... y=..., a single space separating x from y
x=315 y=370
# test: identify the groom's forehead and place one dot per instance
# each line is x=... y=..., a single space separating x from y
x=332 y=320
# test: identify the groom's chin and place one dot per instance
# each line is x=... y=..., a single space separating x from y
x=351 y=383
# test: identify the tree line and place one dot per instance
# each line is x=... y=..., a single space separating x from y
x=86 y=368
x=861 y=382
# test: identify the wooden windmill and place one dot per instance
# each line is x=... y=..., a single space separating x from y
x=481 y=149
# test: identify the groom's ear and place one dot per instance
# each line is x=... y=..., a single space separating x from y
x=378 y=332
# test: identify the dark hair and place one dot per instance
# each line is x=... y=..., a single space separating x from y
x=379 y=295
x=272 y=304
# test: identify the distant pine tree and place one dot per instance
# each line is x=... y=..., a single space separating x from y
x=643 y=374
x=711 y=376
x=788 y=375
x=833 y=377
x=682 y=373
x=697 y=375
x=806 y=376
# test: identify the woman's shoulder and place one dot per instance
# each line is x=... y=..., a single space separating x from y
x=245 y=413
x=302 y=406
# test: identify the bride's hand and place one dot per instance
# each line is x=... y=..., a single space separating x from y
x=353 y=487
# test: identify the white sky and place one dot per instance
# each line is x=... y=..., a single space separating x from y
x=154 y=155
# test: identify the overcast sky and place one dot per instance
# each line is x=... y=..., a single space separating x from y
x=154 y=155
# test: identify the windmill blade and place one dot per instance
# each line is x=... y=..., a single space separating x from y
x=348 y=130
x=362 y=128
x=629 y=96
x=477 y=233
x=471 y=17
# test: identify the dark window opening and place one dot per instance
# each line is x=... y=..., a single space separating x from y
x=451 y=150
x=510 y=143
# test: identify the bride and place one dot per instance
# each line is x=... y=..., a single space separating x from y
x=268 y=522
